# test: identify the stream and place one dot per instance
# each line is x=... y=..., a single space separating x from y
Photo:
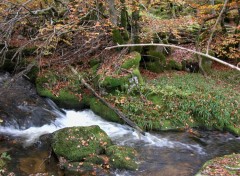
x=160 y=153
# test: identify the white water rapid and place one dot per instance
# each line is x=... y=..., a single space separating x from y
x=120 y=134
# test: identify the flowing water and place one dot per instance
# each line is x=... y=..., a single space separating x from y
x=160 y=154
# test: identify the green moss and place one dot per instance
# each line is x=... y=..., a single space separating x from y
x=80 y=168
x=137 y=73
x=95 y=159
x=124 y=17
x=156 y=61
x=156 y=56
x=155 y=67
x=76 y=143
x=117 y=37
x=68 y=99
x=65 y=97
x=120 y=80
x=173 y=65
x=131 y=60
x=122 y=157
x=112 y=83
x=102 y=110
x=125 y=35
x=234 y=130
x=95 y=68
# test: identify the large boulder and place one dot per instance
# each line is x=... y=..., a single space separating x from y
x=77 y=143
x=155 y=61
x=89 y=151
x=21 y=106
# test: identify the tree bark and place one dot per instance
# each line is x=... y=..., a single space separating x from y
x=112 y=12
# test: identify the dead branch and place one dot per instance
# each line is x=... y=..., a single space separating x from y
x=178 y=47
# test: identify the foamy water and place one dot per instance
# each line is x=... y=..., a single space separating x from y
x=120 y=134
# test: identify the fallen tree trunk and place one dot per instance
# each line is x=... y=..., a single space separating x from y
x=178 y=47
x=118 y=112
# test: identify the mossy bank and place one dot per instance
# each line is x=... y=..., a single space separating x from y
x=172 y=101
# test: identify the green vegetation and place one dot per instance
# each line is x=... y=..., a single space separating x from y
x=182 y=101
x=120 y=79
x=156 y=61
x=63 y=89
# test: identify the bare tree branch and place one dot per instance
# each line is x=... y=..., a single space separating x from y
x=178 y=47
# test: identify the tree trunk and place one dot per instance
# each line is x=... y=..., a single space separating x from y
x=135 y=20
x=112 y=12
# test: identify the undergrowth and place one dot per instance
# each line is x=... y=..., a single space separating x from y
x=185 y=100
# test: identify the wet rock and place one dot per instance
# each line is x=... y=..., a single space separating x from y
x=20 y=105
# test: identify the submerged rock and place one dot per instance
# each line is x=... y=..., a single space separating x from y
x=21 y=106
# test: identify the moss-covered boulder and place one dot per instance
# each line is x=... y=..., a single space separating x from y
x=122 y=78
x=117 y=36
x=64 y=90
x=173 y=65
x=226 y=165
x=76 y=143
x=122 y=157
x=88 y=150
x=156 y=61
